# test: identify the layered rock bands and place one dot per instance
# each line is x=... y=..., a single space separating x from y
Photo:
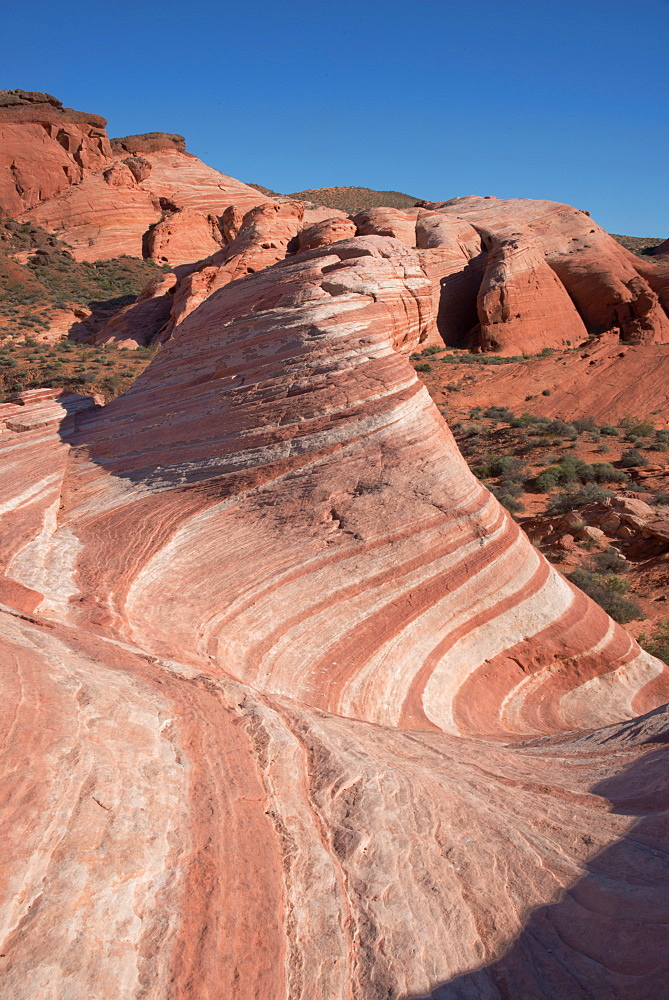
x=293 y=707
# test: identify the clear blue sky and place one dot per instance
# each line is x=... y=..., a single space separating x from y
x=559 y=99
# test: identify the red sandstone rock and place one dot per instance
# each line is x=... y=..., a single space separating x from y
x=662 y=250
x=101 y=220
x=281 y=678
x=58 y=169
x=184 y=236
x=44 y=148
x=388 y=222
x=327 y=231
x=262 y=240
x=139 y=322
x=610 y=286
x=149 y=142
x=522 y=305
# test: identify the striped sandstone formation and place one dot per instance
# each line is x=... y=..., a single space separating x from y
x=294 y=709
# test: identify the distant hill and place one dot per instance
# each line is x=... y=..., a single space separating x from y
x=349 y=199
x=642 y=246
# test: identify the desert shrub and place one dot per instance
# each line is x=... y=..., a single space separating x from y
x=432 y=349
x=506 y=465
x=506 y=499
x=561 y=429
x=632 y=457
x=657 y=644
x=423 y=367
x=609 y=561
x=605 y=473
x=562 y=503
x=499 y=413
x=546 y=392
x=621 y=609
x=662 y=436
x=547 y=480
x=661 y=497
x=639 y=428
x=585 y=424
x=617 y=584
x=608 y=429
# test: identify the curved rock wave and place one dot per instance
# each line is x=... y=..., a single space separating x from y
x=294 y=709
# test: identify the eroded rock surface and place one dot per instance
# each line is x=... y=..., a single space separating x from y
x=45 y=148
x=293 y=707
x=518 y=276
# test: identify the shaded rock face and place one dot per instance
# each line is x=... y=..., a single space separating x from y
x=287 y=689
x=258 y=239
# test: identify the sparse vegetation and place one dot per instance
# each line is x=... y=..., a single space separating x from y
x=52 y=279
x=632 y=457
x=607 y=592
x=562 y=503
x=78 y=367
x=657 y=642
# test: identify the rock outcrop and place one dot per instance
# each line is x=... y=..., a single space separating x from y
x=184 y=236
x=611 y=288
x=111 y=212
x=519 y=276
x=285 y=686
x=149 y=142
x=59 y=170
x=45 y=148
x=260 y=238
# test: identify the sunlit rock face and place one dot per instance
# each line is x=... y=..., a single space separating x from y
x=517 y=276
x=294 y=709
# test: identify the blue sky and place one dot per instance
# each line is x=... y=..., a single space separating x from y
x=439 y=98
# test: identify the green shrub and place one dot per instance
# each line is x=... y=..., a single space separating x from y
x=609 y=561
x=562 y=503
x=657 y=644
x=621 y=609
x=506 y=499
x=506 y=465
x=423 y=367
x=632 y=457
x=639 y=428
x=498 y=413
x=605 y=473
x=547 y=480
x=585 y=424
